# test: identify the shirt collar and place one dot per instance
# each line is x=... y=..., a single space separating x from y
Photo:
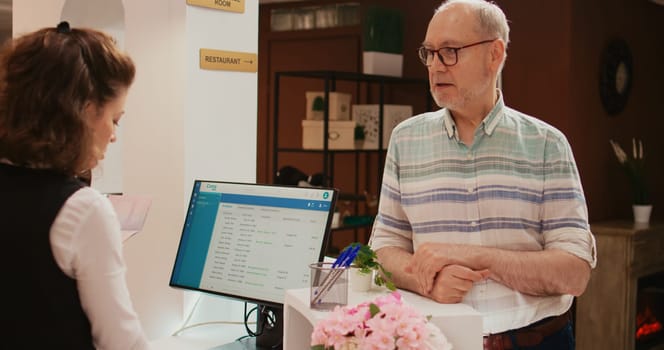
x=489 y=122
x=448 y=123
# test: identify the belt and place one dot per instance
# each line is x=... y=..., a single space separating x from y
x=527 y=336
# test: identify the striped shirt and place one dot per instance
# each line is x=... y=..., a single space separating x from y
x=516 y=187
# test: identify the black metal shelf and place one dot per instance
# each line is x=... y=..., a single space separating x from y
x=345 y=196
x=302 y=150
x=350 y=227
x=352 y=76
x=329 y=80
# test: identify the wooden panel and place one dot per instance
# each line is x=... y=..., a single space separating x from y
x=605 y=313
x=601 y=310
x=648 y=253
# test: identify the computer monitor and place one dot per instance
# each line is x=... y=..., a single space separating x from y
x=252 y=242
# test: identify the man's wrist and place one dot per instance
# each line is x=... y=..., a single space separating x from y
x=473 y=257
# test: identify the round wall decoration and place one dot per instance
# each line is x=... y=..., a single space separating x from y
x=615 y=76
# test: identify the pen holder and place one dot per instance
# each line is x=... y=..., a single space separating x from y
x=329 y=286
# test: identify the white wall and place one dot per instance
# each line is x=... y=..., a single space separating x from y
x=181 y=123
x=154 y=157
x=221 y=109
x=108 y=16
x=221 y=118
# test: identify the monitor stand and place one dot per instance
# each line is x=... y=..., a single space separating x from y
x=270 y=339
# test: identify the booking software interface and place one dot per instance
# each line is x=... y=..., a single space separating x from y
x=251 y=241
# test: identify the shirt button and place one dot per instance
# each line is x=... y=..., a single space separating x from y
x=470 y=155
x=470 y=190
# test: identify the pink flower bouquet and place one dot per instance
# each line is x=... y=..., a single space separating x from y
x=386 y=323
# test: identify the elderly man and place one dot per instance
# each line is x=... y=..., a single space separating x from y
x=480 y=203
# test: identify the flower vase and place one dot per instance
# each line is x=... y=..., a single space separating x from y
x=642 y=213
x=360 y=281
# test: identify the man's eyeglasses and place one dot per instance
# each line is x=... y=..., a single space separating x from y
x=448 y=56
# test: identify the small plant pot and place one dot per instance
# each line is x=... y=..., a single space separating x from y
x=360 y=282
x=642 y=213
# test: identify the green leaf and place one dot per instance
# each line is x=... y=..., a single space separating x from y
x=390 y=285
x=373 y=309
x=367 y=261
x=365 y=270
x=359 y=132
x=318 y=347
x=318 y=104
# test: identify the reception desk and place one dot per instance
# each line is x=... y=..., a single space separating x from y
x=461 y=324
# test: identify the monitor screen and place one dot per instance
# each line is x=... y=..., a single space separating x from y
x=252 y=242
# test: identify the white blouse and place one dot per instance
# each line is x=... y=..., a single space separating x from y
x=87 y=245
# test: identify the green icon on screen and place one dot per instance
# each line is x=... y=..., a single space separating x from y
x=325 y=195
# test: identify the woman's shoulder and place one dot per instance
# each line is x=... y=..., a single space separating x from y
x=86 y=200
x=85 y=207
x=85 y=220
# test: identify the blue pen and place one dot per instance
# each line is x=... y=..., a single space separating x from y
x=355 y=252
x=341 y=258
x=351 y=256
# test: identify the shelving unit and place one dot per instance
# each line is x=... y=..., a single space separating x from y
x=329 y=81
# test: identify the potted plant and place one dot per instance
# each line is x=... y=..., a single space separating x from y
x=365 y=266
x=318 y=108
x=359 y=136
x=383 y=30
x=635 y=169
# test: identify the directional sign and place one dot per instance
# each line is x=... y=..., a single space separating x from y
x=226 y=5
x=228 y=60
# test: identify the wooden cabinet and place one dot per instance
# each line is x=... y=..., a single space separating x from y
x=605 y=313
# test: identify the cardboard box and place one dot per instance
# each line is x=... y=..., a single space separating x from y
x=339 y=105
x=367 y=116
x=340 y=136
x=382 y=63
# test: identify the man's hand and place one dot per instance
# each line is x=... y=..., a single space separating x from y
x=541 y=273
x=426 y=262
x=453 y=282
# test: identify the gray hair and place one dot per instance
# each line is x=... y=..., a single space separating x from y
x=491 y=18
